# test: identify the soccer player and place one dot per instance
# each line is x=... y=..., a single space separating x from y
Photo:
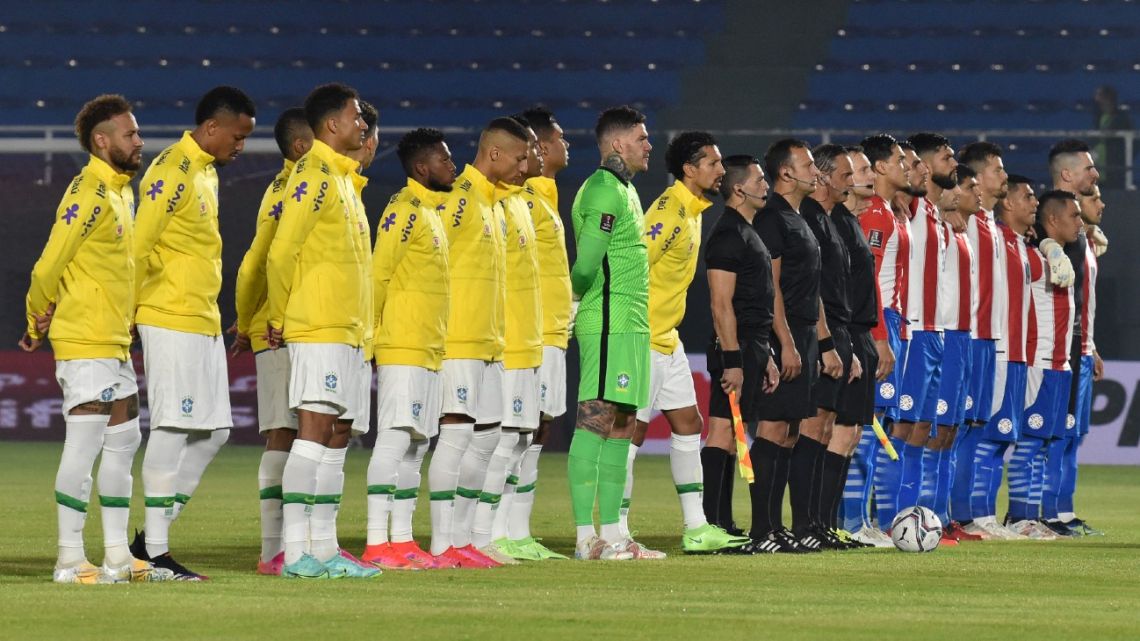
x=800 y=328
x=1051 y=313
x=410 y=285
x=673 y=236
x=739 y=271
x=888 y=238
x=314 y=273
x=81 y=295
x=610 y=280
x=1016 y=210
x=275 y=420
x=473 y=349
x=178 y=273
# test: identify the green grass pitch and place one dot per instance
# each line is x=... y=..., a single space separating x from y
x=991 y=590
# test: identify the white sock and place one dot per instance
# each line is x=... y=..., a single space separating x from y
x=443 y=477
x=523 y=502
x=494 y=479
x=585 y=532
x=330 y=486
x=120 y=442
x=298 y=490
x=407 y=489
x=613 y=533
x=81 y=446
x=1065 y=517
x=623 y=524
x=164 y=449
x=201 y=448
x=383 y=474
x=500 y=529
x=269 y=486
x=472 y=471
x=688 y=476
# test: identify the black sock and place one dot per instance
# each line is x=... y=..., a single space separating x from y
x=783 y=475
x=815 y=499
x=834 y=474
x=765 y=462
x=713 y=461
x=726 y=517
x=801 y=477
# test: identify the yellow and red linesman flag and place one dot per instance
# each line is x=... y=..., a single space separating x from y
x=882 y=436
x=743 y=460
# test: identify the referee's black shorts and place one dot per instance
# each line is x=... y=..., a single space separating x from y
x=794 y=400
x=755 y=355
x=829 y=390
x=857 y=402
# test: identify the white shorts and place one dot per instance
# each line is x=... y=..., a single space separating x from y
x=95 y=379
x=324 y=378
x=670 y=383
x=520 y=398
x=362 y=417
x=187 y=382
x=473 y=388
x=552 y=382
x=409 y=398
x=273 y=391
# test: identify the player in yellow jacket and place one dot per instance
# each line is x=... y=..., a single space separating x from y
x=410 y=293
x=82 y=296
x=274 y=418
x=314 y=274
x=178 y=271
x=473 y=349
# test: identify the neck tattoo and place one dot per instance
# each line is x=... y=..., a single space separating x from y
x=614 y=163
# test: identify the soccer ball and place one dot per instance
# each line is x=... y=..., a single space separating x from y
x=916 y=529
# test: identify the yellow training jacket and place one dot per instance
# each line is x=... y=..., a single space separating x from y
x=475 y=324
x=177 y=247
x=673 y=235
x=87 y=269
x=250 y=297
x=364 y=246
x=410 y=280
x=524 y=297
x=314 y=266
x=541 y=195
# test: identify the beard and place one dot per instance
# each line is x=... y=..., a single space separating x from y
x=916 y=192
x=436 y=185
x=945 y=181
x=125 y=161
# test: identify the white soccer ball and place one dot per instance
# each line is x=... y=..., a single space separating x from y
x=916 y=529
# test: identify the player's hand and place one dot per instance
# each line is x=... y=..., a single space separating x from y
x=573 y=314
x=1100 y=241
x=886 y=360
x=1060 y=268
x=273 y=336
x=1098 y=367
x=732 y=380
x=240 y=343
x=790 y=363
x=43 y=321
x=832 y=364
x=29 y=344
x=856 y=369
x=771 y=377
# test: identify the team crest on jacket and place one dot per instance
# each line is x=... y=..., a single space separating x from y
x=187 y=405
x=517 y=405
x=887 y=390
x=969 y=402
x=461 y=393
x=1070 y=421
x=330 y=381
x=943 y=407
x=623 y=380
x=1036 y=421
x=417 y=408
x=1005 y=426
x=906 y=403
x=107 y=395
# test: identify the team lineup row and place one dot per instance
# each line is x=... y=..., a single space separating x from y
x=465 y=304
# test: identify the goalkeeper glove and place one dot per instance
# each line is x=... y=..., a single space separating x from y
x=1060 y=268
x=1100 y=241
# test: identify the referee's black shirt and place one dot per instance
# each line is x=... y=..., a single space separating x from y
x=862 y=289
x=834 y=261
x=734 y=246
x=788 y=237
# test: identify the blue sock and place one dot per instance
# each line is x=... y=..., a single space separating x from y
x=872 y=454
x=983 y=473
x=1069 y=476
x=928 y=490
x=1021 y=476
x=962 y=483
x=998 y=466
x=1054 y=465
x=1037 y=483
x=944 y=476
x=888 y=474
x=911 y=480
x=852 y=506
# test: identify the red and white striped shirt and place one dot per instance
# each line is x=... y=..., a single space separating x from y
x=928 y=240
x=987 y=279
x=1014 y=295
x=957 y=304
x=885 y=238
x=1050 y=329
x=1088 y=305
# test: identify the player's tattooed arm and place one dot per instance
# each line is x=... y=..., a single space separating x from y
x=596 y=416
x=614 y=163
x=91 y=407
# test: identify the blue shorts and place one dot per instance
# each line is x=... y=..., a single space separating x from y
x=1009 y=400
x=980 y=384
x=918 y=399
x=955 y=376
x=886 y=392
x=1084 y=396
x=1046 y=403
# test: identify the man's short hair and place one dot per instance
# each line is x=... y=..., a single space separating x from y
x=825 y=156
x=927 y=142
x=415 y=144
x=779 y=154
x=287 y=127
x=97 y=111
x=905 y=145
x=370 y=116
x=965 y=173
x=878 y=147
x=540 y=119
x=325 y=100
x=1049 y=202
x=1018 y=179
x=735 y=170
x=224 y=98
x=686 y=149
x=617 y=119
x=1066 y=147
x=977 y=154
x=508 y=125
x=853 y=149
